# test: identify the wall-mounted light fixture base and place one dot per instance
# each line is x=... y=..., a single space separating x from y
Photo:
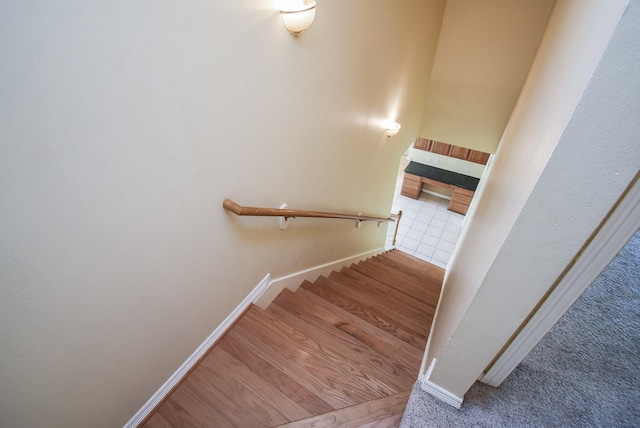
x=393 y=128
x=299 y=17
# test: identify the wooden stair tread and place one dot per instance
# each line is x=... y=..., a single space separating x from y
x=225 y=406
x=378 y=339
x=319 y=360
x=235 y=345
x=290 y=307
x=159 y=421
x=418 y=270
x=390 y=422
x=409 y=286
x=358 y=415
x=213 y=381
x=382 y=293
x=363 y=369
x=325 y=292
x=380 y=309
x=186 y=407
x=427 y=284
x=343 y=351
x=418 y=287
x=221 y=362
x=403 y=297
x=317 y=385
x=413 y=262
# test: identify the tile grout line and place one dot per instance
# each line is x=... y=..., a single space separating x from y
x=435 y=242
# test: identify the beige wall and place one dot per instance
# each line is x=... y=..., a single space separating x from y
x=123 y=127
x=568 y=153
x=484 y=54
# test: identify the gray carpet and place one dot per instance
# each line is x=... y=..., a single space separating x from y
x=584 y=373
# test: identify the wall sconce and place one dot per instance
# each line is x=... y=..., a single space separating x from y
x=298 y=18
x=392 y=129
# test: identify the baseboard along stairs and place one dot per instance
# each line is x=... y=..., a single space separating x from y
x=343 y=351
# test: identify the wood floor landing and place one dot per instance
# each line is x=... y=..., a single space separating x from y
x=343 y=351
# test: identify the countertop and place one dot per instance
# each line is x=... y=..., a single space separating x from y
x=443 y=175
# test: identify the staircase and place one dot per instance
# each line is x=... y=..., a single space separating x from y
x=343 y=351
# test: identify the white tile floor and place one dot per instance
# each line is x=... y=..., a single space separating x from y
x=427 y=230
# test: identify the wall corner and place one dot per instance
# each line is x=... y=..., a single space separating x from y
x=437 y=391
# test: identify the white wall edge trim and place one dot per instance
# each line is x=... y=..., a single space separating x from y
x=614 y=234
x=293 y=281
x=261 y=295
x=441 y=393
x=437 y=391
x=176 y=377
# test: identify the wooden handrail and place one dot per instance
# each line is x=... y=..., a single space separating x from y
x=228 y=204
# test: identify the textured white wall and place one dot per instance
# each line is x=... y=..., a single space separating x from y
x=485 y=51
x=124 y=125
x=569 y=152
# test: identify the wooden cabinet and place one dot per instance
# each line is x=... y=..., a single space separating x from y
x=436 y=183
x=440 y=182
x=460 y=200
x=411 y=186
x=459 y=152
x=451 y=150
x=440 y=148
x=422 y=144
x=478 y=157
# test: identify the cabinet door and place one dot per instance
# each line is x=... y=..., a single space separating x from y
x=411 y=186
x=460 y=200
x=422 y=144
x=440 y=148
x=459 y=152
x=478 y=157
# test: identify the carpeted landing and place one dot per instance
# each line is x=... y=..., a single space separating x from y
x=575 y=376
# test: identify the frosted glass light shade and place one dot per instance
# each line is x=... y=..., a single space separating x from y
x=392 y=129
x=297 y=19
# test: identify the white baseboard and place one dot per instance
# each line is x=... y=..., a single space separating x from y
x=175 y=378
x=262 y=295
x=293 y=281
x=441 y=394
x=437 y=391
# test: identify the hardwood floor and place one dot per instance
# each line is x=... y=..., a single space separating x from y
x=343 y=351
